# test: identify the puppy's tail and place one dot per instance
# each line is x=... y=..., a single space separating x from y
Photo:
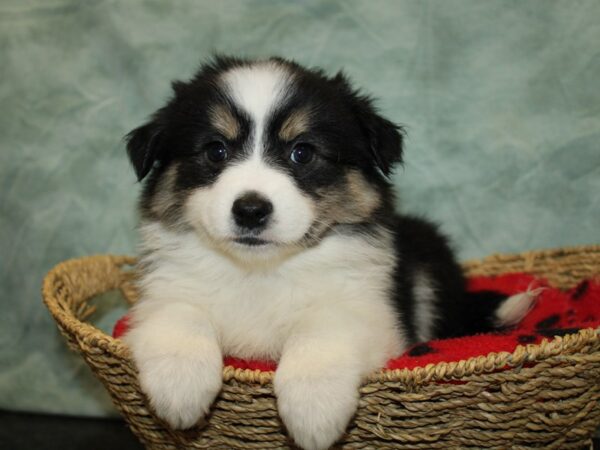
x=512 y=310
x=485 y=311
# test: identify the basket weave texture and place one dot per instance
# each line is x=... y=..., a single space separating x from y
x=545 y=396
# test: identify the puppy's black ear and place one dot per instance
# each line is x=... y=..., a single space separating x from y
x=144 y=147
x=385 y=139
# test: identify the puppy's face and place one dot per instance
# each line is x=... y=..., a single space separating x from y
x=260 y=157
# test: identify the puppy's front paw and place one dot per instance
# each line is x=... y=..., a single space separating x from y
x=316 y=411
x=180 y=390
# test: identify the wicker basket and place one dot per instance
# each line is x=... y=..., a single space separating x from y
x=548 y=396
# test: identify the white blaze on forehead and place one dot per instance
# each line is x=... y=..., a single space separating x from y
x=256 y=89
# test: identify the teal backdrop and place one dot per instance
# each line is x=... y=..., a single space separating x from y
x=501 y=100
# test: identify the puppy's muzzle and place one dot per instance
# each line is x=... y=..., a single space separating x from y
x=251 y=211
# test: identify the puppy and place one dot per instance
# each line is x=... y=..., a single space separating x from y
x=268 y=231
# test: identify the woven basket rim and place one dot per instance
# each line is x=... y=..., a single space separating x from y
x=441 y=371
x=531 y=255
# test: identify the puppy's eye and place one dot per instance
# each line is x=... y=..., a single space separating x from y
x=302 y=153
x=216 y=152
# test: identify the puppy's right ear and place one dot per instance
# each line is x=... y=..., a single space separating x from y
x=144 y=147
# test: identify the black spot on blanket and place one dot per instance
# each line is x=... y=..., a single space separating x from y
x=551 y=332
x=420 y=350
x=548 y=322
x=526 y=339
x=580 y=290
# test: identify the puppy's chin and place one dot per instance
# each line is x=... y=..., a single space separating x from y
x=254 y=252
x=248 y=250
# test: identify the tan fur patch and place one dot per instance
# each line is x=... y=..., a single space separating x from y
x=296 y=124
x=163 y=199
x=224 y=121
x=351 y=202
x=365 y=198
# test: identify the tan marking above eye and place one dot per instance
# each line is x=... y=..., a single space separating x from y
x=295 y=124
x=224 y=121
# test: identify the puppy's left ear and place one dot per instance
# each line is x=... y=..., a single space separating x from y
x=144 y=147
x=385 y=138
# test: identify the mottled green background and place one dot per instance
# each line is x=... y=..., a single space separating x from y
x=501 y=100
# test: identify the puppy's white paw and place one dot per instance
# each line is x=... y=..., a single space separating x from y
x=180 y=390
x=316 y=411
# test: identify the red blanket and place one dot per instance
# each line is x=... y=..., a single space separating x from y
x=555 y=313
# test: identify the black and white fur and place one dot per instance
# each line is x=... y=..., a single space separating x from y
x=268 y=232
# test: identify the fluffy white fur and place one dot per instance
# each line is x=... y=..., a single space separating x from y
x=424 y=305
x=514 y=308
x=319 y=312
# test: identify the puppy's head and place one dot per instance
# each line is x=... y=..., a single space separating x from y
x=260 y=157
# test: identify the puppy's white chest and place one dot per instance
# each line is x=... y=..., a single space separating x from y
x=255 y=314
x=254 y=311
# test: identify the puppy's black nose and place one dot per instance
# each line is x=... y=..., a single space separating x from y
x=251 y=211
